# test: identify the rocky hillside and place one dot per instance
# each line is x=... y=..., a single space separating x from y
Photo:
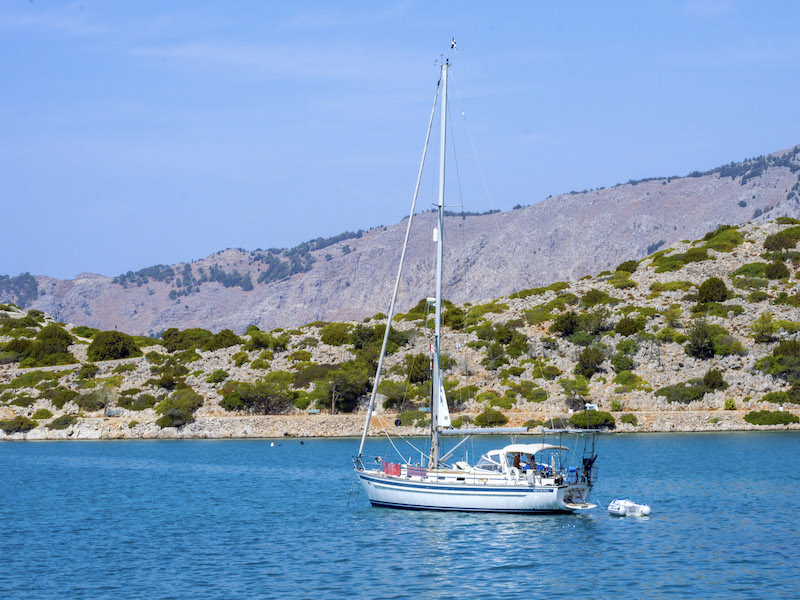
x=350 y=276
x=701 y=335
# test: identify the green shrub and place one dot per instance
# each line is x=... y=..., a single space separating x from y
x=627 y=381
x=17 y=424
x=581 y=338
x=49 y=348
x=179 y=408
x=630 y=419
x=62 y=422
x=491 y=418
x=336 y=334
x=565 y=324
x=300 y=356
x=88 y=371
x=260 y=341
x=782 y=240
x=713 y=380
x=712 y=289
x=93 y=401
x=495 y=356
x=763 y=328
x=729 y=404
x=751 y=270
x=217 y=376
x=770 y=417
x=126 y=368
x=668 y=334
x=700 y=343
x=629 y=326
x=224 y=339
x=784 y=361
x=140 y=402
x=783 y=299
x=616 y=406
x=173 y=339
x=593 y=297
x=59 y=396
x=671 y=286
x=628 y=266
x=112 y=345
x=622 y=362
x=665 y=262
x=23 y=400
x=415 y=418
x=724 y=239
x=31 y=378
x=240 y=358
x=85 y=332
x=776 y=270
x=757 y=297
x=511 y=372
x=725 y=344
x=591 y=419
x=417 y=368
x=533 y=423
x=684 y=393
x=589 y=362
x=41 y=414
x=454 y=318
x=628 y=346
x=260 y=364
x=555 y=287
x=269 y=395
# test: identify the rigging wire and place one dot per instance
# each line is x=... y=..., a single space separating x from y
x=475 y=154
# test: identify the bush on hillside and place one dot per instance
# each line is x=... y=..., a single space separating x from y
x=783 y=240
x=62 y=422
x=179 y=408
x=700 y=344
x=589 y=362
x=17 y=424
x=491 y=418
x=713 y=380
x=88 y=371
x=712 y=289
x=629 y=326
x=776 y=270
x=224 y=339
x=591 y=419
x=112 y=345
x=770 y=417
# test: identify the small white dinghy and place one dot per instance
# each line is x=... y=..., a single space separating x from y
x=628 y=508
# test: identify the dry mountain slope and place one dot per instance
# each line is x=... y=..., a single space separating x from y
x=561 y=238
x=700 y=336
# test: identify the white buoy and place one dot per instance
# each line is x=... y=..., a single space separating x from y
x=271 y=444
x=628 y=508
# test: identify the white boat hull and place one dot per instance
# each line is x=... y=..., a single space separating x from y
x=424 y=494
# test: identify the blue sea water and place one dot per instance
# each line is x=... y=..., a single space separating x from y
x=242 y=519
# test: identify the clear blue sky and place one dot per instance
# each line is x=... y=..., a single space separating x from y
x=135 y=133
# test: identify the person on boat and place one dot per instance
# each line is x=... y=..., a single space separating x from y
x=517 y=464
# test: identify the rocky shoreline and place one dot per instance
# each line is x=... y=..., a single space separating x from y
x=351 y=425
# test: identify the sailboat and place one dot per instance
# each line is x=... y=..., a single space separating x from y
x=515 y=478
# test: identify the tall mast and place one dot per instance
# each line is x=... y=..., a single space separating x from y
x=439 y=238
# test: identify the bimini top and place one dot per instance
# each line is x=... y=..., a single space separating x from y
x=530 y=448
